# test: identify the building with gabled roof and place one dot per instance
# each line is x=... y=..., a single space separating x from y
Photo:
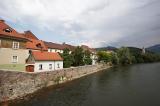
x=12 y=47
x=28 y=34
x=40 y=61
x=54 y=47
x=33 y=42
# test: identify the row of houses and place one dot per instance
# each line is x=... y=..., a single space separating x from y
x=27 y=51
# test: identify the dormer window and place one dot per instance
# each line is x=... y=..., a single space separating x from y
x=8 y=30
x=38 y=45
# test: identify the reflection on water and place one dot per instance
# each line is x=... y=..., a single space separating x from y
x=136 y=85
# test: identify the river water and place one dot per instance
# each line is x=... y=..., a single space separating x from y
x=135 y=85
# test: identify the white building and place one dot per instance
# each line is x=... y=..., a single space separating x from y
x=40 y=61
x=54 y=47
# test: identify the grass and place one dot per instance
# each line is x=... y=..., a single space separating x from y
x=13 y=67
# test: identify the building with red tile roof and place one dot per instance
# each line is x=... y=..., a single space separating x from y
x=7 y=32
x=39 y=61
x=55 y=47
x=46 y=56
x=12 y=46
x=36 y=45
x=30 y=35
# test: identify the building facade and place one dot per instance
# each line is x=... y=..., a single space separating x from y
x=40 y=61
x=12 y=46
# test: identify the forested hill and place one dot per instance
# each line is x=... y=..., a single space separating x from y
x=155 y=48
x=106 y=48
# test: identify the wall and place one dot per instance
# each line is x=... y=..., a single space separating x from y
x=8 y=43
x=55 y=50
x=45 y=65
x=7 y=53
x=14 y=85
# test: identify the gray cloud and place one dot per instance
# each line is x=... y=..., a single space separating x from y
x=92 y=22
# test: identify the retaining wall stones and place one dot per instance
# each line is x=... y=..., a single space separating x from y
x=14 y=85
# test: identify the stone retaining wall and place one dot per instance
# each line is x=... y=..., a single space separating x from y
x=14 y=85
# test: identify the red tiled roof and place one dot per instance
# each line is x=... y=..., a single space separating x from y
x=84 y=47
x=13 y=34
x=46 y=56
x=30 y=35
x=54 y=45
x=36 y=45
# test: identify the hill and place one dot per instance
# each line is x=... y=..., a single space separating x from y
x=106 y=48
x=155 y=48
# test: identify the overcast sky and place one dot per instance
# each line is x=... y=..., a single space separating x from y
x=92 y=22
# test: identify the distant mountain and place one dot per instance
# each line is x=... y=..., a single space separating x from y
x=155 y=48
x=106 y=48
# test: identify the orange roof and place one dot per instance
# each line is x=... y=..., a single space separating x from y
x=13 y=34
x=54 y=45
x=46 y=56
x=30 y=35
x=85 y=47
x=36 y=45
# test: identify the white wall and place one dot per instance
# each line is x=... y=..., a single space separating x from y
x=55 y=50
x=45 y=65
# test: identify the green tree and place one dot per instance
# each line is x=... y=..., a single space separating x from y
x=87 y=57
x=115 y=59
x=103 y=56
x=78 y=56
x=124 y=56
x=68 y=58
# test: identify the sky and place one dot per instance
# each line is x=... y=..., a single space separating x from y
x=96 y=23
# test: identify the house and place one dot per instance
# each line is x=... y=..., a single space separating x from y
x=13 y=50
x=71 y=48
x=54 y=47
x=59 y=48
x=33 y=42
x=93 y=55
x=40 y=61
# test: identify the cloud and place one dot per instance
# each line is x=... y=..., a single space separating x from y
x=92 y=22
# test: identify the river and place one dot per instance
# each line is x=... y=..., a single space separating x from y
x=135 y=85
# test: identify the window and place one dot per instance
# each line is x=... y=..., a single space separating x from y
x=58 y=65
x=50 y=66
x=8 y=30
x=15 y=45
x=15 y=59
x=40 y=67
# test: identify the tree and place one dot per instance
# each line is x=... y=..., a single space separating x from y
x=68 y=58
x=115 y=59
x=103 y=56
x=124 y=56
x=78 y=56
x=87 y=58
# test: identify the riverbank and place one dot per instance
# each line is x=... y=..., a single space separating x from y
x=15 y=85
